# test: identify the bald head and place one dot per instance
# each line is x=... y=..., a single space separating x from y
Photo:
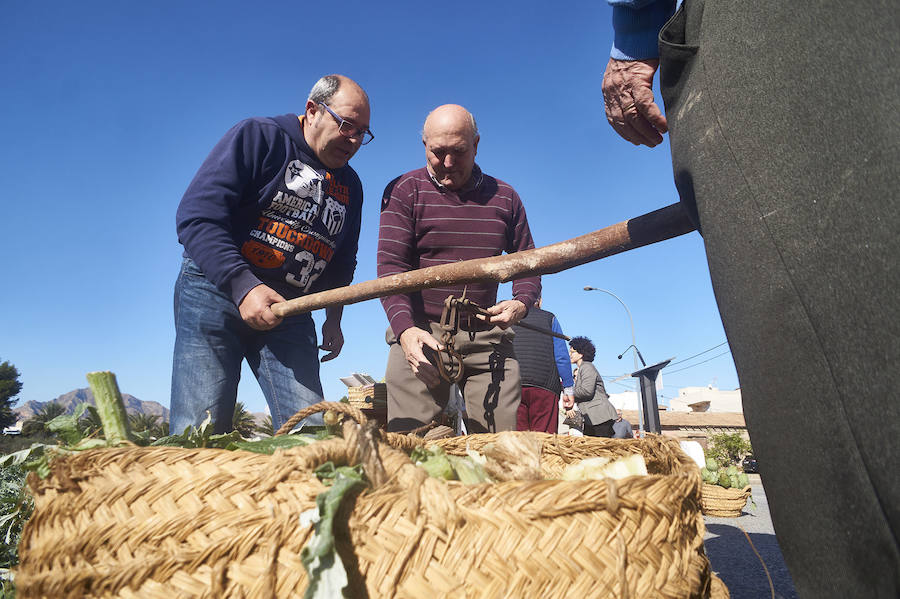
x=451 y=140
x=450 y=117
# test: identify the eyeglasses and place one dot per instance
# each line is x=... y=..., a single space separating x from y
x=348 y=129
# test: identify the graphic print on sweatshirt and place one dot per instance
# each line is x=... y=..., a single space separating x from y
x=299 y=231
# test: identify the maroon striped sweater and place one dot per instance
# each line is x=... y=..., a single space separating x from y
x=423 y=224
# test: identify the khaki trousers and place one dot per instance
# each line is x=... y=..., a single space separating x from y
x=490 y=384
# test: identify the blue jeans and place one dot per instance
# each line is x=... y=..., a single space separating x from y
x=211 y=340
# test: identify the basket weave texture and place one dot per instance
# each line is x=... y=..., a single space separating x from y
x=367 y=395
x=372 y=400
x=166 y=523
x=723 y=503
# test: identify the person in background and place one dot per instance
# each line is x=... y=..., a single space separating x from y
x=545 y=372
x=622 y=429
x=589 y=391
x=573 y=420
x=273 y=213
x=445 y=212
x=785 y=157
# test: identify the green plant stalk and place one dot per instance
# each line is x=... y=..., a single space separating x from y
x=110 y=407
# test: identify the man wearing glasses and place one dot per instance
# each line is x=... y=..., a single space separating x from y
x=272 y=214
x=448 y=211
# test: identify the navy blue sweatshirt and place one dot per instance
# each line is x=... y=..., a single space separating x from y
x=263 y=209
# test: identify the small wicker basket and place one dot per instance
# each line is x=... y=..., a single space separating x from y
x=372 y=400
x=367 y=395
x=723 y=503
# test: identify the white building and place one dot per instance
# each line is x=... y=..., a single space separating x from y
x=15 y=429
x=627 y=400
x=690 y=399
x=707 y=399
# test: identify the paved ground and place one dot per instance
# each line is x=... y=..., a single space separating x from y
x=734 y=560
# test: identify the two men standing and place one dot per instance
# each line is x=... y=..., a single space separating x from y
x=274 y=213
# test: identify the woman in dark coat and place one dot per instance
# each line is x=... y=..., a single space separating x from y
x=590 y=394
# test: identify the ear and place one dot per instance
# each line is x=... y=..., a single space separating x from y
x=475 y=145
x=311 y=108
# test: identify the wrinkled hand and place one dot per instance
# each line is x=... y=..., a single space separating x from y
x=332 y=339
x=256 y=309
x=412 y=340
x=628 y=95
x=568 y=402
x=507 y=313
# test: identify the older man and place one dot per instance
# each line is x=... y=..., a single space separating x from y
x=273 y=213
x=449 y=211
x=797 y=202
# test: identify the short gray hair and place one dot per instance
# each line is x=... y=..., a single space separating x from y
x=473 y=124
x=325 y=88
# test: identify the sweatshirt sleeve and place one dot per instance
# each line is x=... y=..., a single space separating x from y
x=215 y=198
x=636 y=25
x=561 y=355
x=525 y=290
x=396 y=235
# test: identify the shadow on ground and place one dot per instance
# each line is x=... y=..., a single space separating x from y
x=735 y=562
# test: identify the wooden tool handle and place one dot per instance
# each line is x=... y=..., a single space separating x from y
x=652 y=227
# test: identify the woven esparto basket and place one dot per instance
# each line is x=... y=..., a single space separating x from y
x=165 y=523
x=368 y=395
x=723 y=503
x=372 y=400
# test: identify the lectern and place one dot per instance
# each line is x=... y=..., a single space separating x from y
x=647 y=377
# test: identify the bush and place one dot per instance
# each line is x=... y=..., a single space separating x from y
x=728 y=449
x=13 y=443
x=15 y=508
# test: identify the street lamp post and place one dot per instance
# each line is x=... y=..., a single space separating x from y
x=634 y=353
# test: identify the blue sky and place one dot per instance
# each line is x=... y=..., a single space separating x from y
x=109 y=108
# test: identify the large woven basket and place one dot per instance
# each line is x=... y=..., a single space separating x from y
x=165 y=523
x=723 y=503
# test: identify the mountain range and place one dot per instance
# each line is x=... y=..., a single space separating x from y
x=72 y=399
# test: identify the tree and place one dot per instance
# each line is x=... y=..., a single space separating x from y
x=160 y=430
x=727 y=449
x=37 y=424
x=9 y=388
x=142 y=422
x=243 y=421
x=152 y=423
x=90 y=423
x=266 y=427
